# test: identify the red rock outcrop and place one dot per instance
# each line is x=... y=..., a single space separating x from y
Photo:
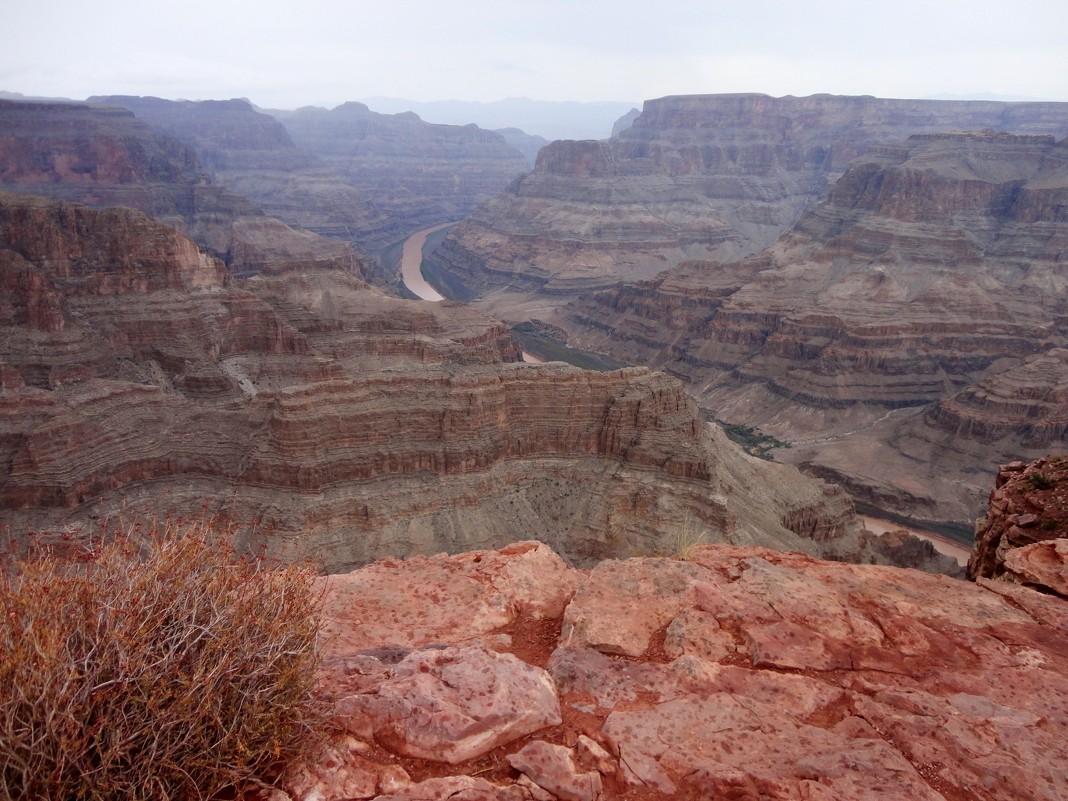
x=1023 y=538
x=712 y=177
x=139 y=379
x=106 y=157
x=734 y=672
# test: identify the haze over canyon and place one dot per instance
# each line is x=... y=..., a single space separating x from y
x=203 y=313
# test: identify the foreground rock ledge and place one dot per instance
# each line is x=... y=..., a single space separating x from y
x=738 y=673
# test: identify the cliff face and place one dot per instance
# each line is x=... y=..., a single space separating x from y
x=139 y=378
x=702 y=177
x=734 y=673
x=350 y=173
x=417 y=173
x=251 y=152
x=1022 y=537
x=921 y=304
x=106 y=157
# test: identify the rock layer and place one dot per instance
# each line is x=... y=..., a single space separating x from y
x=416 y=173
x=355 y=175
x=251 y=152
x=753 y=674
x=701 y=177
x=106 y=157
x=139 y=378
x=921 y=304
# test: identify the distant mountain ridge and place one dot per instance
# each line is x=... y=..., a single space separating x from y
x=553 y=119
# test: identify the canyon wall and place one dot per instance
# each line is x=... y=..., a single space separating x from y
x=350 y=173
x=905 y=336
x=106 y=157
x=417 y=174
x=329 y=421
x=699 y=177
x=251 y=153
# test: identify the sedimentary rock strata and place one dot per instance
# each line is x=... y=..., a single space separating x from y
x=139 y=378
x=104 y=157
x=251 y=152
x=920 y=305
x=733 y=672
x=702 y=177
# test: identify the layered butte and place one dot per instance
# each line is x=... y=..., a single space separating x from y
x=918 y=311
x=329 y=421
x=702 y=177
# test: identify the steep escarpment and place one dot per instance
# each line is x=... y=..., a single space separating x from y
x=702 y=177
x=913 y=321
x=409 y=460
x=106 y=157
x=735 y=673
x=416 y=173
x=330 y=421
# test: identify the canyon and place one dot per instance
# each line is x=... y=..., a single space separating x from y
x=872 y=282
x=327 y=420
x=106 y=157
x=901 y=335
x=347 y=173
x=714 y=177
x=692 y=621
x=904 y=337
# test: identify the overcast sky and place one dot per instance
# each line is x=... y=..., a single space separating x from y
x=283 y=54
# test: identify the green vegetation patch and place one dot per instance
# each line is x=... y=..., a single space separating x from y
x=1040 y=481
x=753 y=441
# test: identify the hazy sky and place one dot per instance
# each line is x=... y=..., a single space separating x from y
x=299 y=52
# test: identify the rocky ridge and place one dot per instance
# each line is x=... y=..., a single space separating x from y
x=353 y=174
x=106 y=157
x=325 y=419
x=912 y=321
x=1022 y=536
x=731 y=673
x=701 y=177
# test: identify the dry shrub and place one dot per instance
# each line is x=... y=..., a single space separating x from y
x=168 y=669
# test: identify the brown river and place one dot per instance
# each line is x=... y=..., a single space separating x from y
x=941 y=544
x=412 y=274
x=412 y=261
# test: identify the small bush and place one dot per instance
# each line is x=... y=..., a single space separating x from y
x=1041 y=481
x=168 y=669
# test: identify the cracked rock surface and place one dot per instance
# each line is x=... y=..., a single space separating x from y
x=737 y=673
